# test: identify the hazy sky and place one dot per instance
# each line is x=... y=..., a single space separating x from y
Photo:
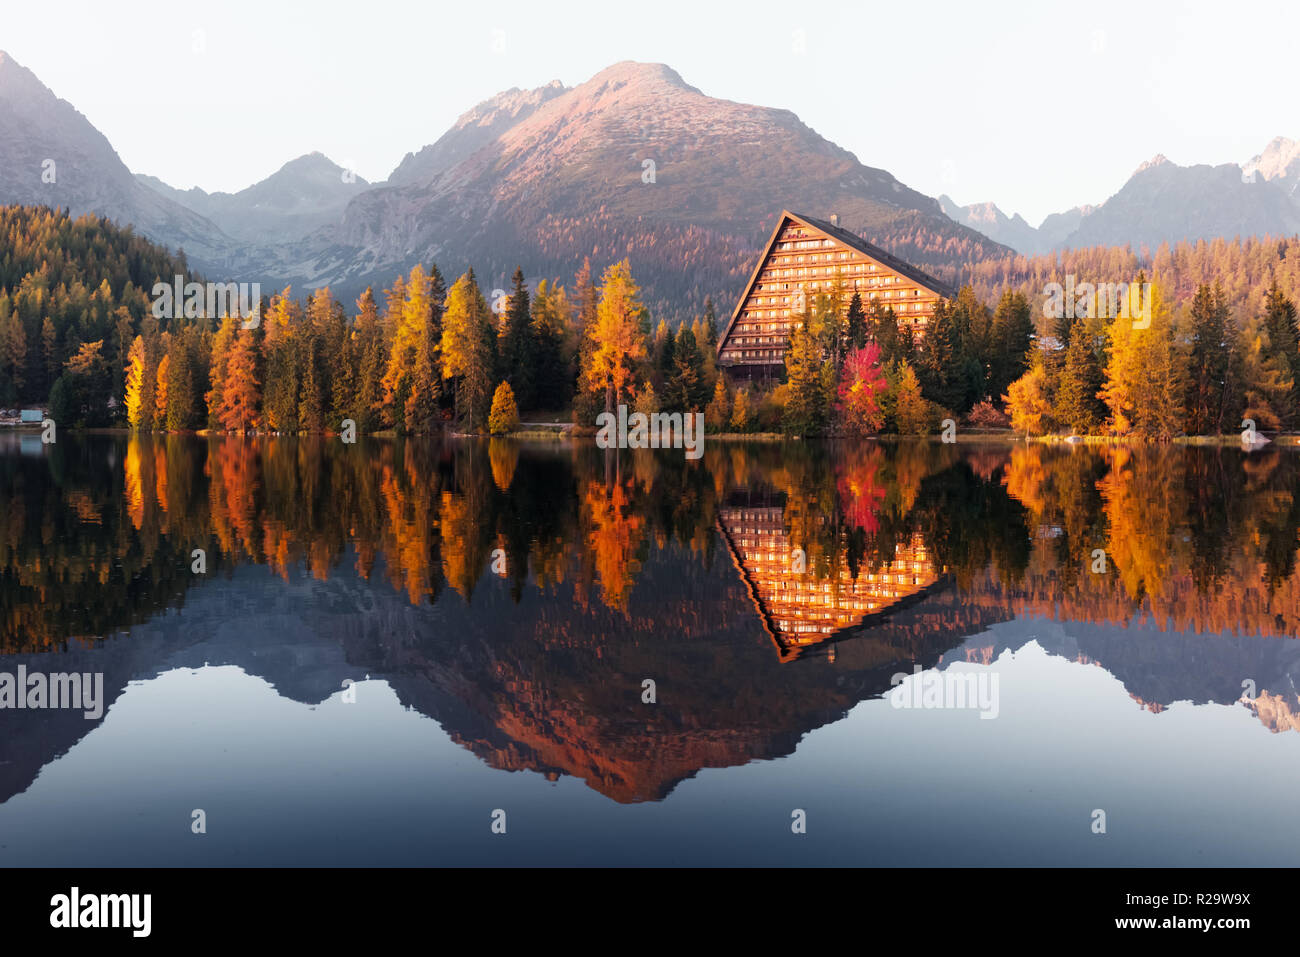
x=1036 y=106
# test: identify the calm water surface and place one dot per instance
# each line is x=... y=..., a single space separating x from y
x=499 y=607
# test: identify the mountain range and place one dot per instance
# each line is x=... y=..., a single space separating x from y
x=1163 y=202
x=634 y=163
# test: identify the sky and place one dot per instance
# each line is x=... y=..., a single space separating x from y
x=1036 y=106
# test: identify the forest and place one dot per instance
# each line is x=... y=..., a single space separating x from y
x=431 y=353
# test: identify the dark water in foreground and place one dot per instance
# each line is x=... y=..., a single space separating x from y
x=500 y=606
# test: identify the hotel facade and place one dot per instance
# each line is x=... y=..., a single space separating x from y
x=805 y=257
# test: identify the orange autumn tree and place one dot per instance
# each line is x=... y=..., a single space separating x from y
x=160 y=387
x=617 y=339
x=215 y=396
x=240 y=390
x=615 y=536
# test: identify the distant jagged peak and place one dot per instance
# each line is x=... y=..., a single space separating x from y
x=508 y=103
x=1278 y=158
x=474 y=129
x=1156 y=161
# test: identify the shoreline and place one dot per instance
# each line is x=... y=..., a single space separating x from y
x=998 y=437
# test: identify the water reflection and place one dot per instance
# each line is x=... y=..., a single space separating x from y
x=520 y=594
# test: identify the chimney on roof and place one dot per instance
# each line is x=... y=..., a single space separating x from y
x=835 y=219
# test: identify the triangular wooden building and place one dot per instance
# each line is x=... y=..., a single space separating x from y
x=803 y=257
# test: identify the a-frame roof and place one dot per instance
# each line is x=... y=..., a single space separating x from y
x=853 y=241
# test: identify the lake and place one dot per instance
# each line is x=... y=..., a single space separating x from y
x=473 y=652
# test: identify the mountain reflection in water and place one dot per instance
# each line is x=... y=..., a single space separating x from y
x=520 y=594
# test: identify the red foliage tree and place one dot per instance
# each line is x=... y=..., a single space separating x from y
x=862 y=383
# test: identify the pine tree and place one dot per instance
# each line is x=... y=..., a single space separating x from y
x=13 y=355
x=1208 y=362
x=50 y=352
x=1266 y=382
x=123 y=336
x=943 y=359
x=686 y=390
x=552 y=389
x=1077 y=406
x=710 y=339
x=1280 y=325
x=518 y=349
x=423 y=410
x=857 y=323
x=185 y=386
x=311 y=395
x=86 y=377
x=1011 y=340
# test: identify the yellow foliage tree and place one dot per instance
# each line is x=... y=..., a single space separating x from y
x=617 y=340
x=135 y=411
x=1029 y=403
x=504 y=417
x=1146 y=377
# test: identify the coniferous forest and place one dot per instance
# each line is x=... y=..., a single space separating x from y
x=431 y=352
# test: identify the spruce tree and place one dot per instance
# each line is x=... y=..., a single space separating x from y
x=1208 y=362
x=1280 y=324
x=1077 y=406
x=1010 y=341
x=857 y=323
x=517 y=346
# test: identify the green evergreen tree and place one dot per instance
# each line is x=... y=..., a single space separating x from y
x=857 y=323
x=1076 y=405
x=687 y=389
x=518 y=348
x=1208 y=362
x=943 y=361
x=1010 y=341
x=1280 y=325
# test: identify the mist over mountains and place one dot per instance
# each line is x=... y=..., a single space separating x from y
x=635 y=162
